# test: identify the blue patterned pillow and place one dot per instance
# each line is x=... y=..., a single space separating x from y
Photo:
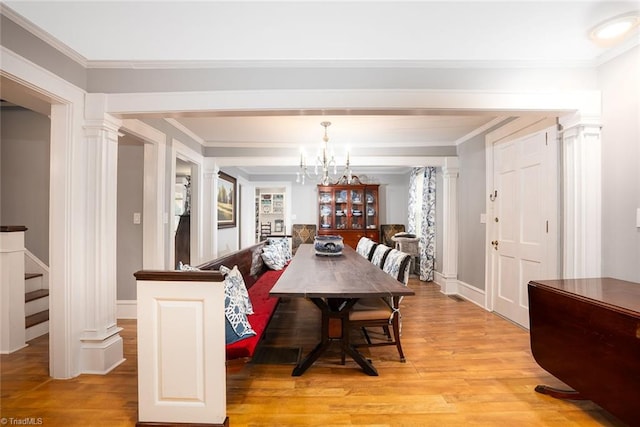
x=234 y=310
x=281 y=243
x=237 y=281
x=272 y=256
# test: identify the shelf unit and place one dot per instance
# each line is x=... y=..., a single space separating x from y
x=350 y=211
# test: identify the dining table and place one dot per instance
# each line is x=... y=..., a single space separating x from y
x=335 y=284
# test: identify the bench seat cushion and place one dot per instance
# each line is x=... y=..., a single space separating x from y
x=263 y=308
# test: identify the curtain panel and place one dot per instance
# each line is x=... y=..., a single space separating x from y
x=422 y=217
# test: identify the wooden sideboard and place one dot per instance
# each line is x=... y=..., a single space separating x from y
x=586 y=332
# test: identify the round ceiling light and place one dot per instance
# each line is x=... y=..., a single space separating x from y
x=615 y=29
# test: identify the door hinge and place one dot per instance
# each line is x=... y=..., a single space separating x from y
x=547 y=226
x=546 y=138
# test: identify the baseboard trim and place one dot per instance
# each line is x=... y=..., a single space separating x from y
x=461 y=289
x=127 y=309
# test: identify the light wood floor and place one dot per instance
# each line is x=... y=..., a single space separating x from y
x=464 y=367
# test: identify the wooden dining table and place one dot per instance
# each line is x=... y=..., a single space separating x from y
x=334 y=284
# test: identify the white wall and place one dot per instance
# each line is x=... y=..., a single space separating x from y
x=24 y=176
x=130 y=200
x=620 y=83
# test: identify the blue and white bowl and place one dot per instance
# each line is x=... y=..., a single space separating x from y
x=328 y=245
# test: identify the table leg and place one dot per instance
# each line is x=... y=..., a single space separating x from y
x=334 y=311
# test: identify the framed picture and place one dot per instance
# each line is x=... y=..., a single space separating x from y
x=226 y=201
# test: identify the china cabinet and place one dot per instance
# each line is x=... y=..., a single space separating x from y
x=350 y=211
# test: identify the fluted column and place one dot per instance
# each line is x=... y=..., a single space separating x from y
x=210 y=223
x=101 y=344
x=581 y=149
x=450 y=226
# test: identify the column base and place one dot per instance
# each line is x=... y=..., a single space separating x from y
x=101 y=356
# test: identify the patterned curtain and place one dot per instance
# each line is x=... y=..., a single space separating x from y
x=414 y=200
x=422 y=209
x=428 y=228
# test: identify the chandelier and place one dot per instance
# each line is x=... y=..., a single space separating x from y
x=325 y=168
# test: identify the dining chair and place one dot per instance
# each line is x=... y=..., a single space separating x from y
x=302 y=233
x=387 y=231
x=365 y=247
x=380 y=254
x=383 y=312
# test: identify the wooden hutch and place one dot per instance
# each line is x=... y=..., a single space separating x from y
x=350 y=211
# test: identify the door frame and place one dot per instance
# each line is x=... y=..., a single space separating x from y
x=517 y=128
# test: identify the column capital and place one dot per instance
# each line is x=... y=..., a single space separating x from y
x=451 y=167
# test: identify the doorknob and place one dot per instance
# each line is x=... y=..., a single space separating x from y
x=494 y=243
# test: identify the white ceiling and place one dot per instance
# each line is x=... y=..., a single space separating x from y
x=298 y=33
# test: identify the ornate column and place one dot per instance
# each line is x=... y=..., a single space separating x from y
x=450 y=226
x=101 y=344
x=581 y=152
x=210 y=223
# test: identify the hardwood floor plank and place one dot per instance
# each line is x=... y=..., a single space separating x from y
x=465 y=366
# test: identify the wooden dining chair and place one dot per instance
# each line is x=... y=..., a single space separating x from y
x=365 y=247
x=383 y=312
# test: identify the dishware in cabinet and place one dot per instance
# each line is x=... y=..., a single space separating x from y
x=350 y=211
x=371 y=208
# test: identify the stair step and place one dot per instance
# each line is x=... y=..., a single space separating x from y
x=36 y=331
x=37 y=318
x=34 y=295
x=28 y=276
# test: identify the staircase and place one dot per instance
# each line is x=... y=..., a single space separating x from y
x=36 y=299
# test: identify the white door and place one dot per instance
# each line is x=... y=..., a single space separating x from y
x=525 y=220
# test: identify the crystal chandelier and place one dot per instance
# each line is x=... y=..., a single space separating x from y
x=326 y=163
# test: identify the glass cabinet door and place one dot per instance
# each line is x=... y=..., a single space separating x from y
x=341 y=209
x=357 y=209
x=371 y=208
x=326 y=209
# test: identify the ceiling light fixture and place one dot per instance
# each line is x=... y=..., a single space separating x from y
x=326 y=162
x=615 y=29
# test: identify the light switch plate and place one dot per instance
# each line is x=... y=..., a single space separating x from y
x=136 y=217
x=638 y=217
x=483 y=218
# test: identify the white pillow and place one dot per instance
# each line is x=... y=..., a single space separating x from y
x=187 y=267
x=273 y=257
x=283 y=244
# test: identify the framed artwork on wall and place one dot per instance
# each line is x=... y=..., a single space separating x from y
x=226 y=201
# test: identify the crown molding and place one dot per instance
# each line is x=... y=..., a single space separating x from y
x=176 y=124
x=619 y=49
x=337 y=63
x=43 y=35
x=481 y=129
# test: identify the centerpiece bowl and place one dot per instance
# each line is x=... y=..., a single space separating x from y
x=330 y=245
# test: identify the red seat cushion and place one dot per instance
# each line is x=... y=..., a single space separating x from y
x=263 y=308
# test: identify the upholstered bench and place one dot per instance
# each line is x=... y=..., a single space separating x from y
x=259 y=280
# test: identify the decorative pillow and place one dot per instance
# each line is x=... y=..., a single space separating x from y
x=187 y=267
x=230 y=335
x=239 y=287
x=234 y=311
x=283 y=244
x=272 y=256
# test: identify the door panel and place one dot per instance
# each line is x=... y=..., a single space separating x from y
x=520 y=172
